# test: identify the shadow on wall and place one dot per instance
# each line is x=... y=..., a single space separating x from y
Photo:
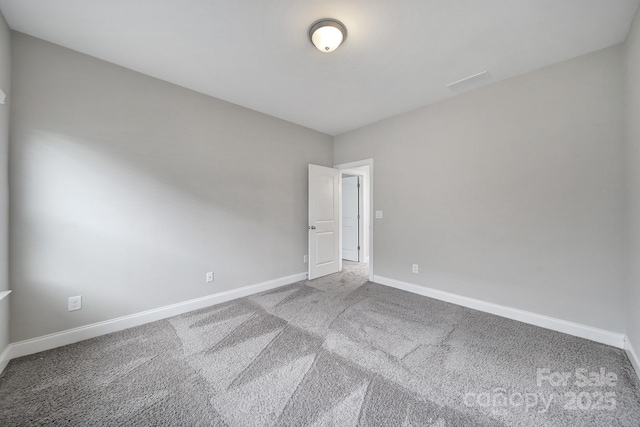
x=112 y=216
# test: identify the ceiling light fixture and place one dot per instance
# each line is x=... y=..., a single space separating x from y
x=327 y=34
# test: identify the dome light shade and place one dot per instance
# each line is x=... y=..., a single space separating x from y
x=327 y=34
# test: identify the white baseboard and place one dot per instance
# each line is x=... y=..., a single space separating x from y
x=633 y=356
x=583 y=331
x=70 y=336
x=4 y=358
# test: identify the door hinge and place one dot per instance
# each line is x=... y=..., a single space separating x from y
x=358 y=247
x=358 y=185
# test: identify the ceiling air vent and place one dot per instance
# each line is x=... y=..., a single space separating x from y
x=469 y=82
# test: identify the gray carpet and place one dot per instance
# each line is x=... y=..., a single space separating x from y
x=336 y=351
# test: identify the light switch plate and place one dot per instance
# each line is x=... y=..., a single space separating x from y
x=378 y=214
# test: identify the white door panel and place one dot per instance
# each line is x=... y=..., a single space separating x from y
x=350 y=236
x=324 y=221
x=324 y=198
x=324 y=248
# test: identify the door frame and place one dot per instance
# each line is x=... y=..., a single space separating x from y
x=343 y=167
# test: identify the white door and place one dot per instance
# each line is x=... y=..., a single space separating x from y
x=324 y=221
x=350 y=201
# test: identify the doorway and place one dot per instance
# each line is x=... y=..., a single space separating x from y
x=351 y=218
x=325 y=241
x=356 y=211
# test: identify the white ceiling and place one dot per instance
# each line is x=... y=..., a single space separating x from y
x=399 y=54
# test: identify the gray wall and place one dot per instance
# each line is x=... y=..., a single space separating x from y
x=633 y=179
x=512 y=193
x=5 y=85
x=127 y=190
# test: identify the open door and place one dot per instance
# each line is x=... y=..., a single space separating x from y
x=351 y=218
x=324 y=221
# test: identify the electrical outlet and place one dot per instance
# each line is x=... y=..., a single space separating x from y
x=414 y=268
x=210 y=277
x=75 y=303
x=306 y=258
